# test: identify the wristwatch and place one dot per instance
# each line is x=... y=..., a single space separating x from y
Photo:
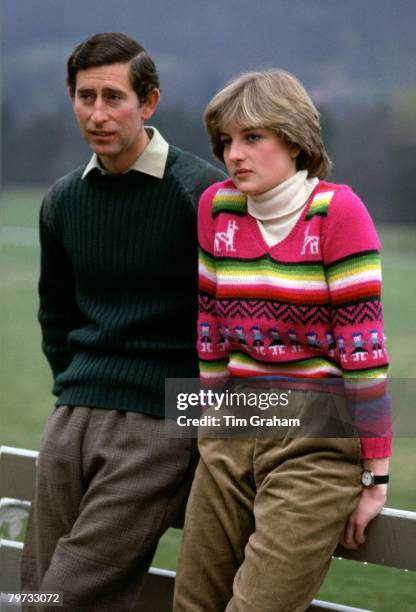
x=369 y=479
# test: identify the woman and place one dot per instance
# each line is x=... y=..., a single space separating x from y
x=289 y=288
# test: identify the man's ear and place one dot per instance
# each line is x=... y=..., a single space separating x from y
x=150 y=104
x=71 y=94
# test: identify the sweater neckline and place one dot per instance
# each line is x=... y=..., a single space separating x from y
x=276 y=246
x=285 y=199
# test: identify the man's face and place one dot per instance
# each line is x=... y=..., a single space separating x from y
x=110 y=115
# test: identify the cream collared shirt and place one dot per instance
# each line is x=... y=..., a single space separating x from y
x=152 y=161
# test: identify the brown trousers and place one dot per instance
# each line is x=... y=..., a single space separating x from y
x=263 y=519
x=109 y=483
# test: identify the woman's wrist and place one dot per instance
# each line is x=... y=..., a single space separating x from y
x=377 y=494
x=375 y=476
x=379 y=466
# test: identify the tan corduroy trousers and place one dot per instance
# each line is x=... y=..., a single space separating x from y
x=109 y=483
x=263 y=519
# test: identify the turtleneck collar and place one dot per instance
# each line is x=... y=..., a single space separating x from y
x=278 y=209
x=286 y=198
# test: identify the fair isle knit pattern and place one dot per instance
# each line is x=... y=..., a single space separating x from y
x=307 y=307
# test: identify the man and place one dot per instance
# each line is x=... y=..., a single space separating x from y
x=117 y=312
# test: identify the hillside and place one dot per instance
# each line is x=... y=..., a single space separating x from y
x=351 y=52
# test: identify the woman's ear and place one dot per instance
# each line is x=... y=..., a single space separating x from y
x=294 y=151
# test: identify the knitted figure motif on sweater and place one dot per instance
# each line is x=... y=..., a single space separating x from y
x=308 y=306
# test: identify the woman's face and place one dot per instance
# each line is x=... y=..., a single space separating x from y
x=256 y=158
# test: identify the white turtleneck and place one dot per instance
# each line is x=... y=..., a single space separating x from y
x=277 y=210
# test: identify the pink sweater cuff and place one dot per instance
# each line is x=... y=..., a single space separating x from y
x=375 y=448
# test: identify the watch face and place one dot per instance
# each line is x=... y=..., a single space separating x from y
x=367 y=478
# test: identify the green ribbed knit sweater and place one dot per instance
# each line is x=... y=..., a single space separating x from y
x=118 y=283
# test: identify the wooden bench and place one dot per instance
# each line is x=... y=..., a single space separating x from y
x=391 y=541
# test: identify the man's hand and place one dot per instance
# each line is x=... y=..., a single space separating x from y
x=371 y=503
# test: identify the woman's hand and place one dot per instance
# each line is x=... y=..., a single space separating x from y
x=371 y=503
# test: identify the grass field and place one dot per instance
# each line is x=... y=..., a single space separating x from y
x=25 y=383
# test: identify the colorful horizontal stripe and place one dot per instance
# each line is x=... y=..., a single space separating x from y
x=229 y=200
x=354 y=278
x=242 y=364
x=368 y=376
x=351 y=269
x=320 y=204
x=213 y=369
x=207 y=273
x=263 y=278
x=366 y=385
x=248 y=268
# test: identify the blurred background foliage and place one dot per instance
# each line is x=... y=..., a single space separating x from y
x=357 y=60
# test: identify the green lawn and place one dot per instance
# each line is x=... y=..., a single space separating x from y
x=25 y=383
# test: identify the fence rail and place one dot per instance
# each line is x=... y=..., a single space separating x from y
x=390 y=539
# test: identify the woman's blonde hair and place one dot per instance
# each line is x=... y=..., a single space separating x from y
x=272 y=99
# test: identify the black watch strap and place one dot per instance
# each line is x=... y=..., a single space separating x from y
x=381 y=479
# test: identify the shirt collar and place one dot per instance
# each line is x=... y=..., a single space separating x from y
x=152 y=161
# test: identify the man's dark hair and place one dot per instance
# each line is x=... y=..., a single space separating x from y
x=114 y=48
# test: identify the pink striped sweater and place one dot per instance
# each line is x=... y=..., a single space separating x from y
x=307 y=307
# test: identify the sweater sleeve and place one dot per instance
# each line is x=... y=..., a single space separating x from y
x=196 y=175
x=351 y=252
x=58 y=311
x=211 y=341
